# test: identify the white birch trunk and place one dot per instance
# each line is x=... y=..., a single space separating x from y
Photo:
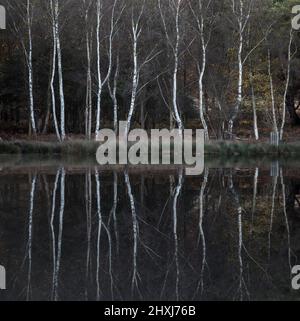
x=53 y=72
x=288 y=73
x=202 y=69
x=274 y=117
x=88 y=107
x=113 y=96
x=60 y=73
x=175 y=71
x=99 y=90
x=135 y=78
x=255 y=126
x=30 y=67
x=242 y=23
x=102 y=82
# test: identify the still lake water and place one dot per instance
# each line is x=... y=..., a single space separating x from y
x=80 y=233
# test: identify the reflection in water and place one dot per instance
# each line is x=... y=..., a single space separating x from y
x=135 y=229
x=53 y=232
x=88 y=209
x=202 y=234
x=228 y=234
x=286 y=218
x=176 y=195
x=32 y=192
x=274 y=189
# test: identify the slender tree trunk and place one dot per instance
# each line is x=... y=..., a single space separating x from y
x=88 y=108
x=54 y=53
x=175 y=71
x=255 y=126
x=30 y=67
x=242 y=22
x=60 y=73
x=202 y=72
x=113 y=95
x=274 y=117
x=99 y=91
x=135 y=78
x=286 y=85
x=102 y=82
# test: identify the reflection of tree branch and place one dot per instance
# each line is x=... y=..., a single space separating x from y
x=30 y=222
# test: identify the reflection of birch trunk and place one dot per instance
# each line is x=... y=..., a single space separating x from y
x=200 y=285
x=88 y=207
x=52 y=230
x=30 y=223
x=100 y=224
x=236 y=197
x=135 y=227
x=99 y=214
x=110 y=271
x=60 y=232
x=175 y=200
x=114 y=210
x=255 y=179
x=286 y=218
x=275 y=180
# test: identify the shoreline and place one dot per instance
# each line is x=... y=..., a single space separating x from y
x=84 y=148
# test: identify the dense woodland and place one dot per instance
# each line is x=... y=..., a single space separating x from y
x=72 y=67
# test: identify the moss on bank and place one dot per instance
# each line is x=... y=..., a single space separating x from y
x=82 y=149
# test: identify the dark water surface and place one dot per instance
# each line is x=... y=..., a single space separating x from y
x=81 y=233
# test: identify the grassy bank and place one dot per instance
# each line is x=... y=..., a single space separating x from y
x=82 y=148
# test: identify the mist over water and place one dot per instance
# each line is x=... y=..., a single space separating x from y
x=81 y=233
